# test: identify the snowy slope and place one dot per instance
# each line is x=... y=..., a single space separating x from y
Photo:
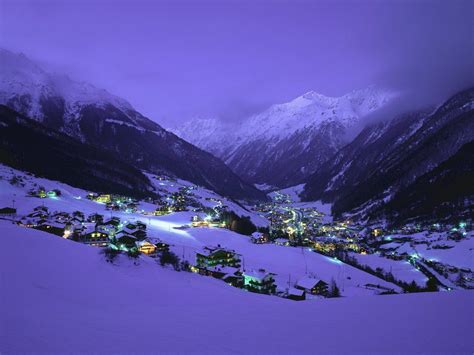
x=401 y=270
x=207 y=198
x=209 y=134
x=290 y=264
x=90 y=306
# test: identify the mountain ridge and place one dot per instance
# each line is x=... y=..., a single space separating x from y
x=285 y=143
x=97 y=117
x=387 y=157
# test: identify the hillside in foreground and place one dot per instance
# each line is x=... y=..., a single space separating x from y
x=64 y=296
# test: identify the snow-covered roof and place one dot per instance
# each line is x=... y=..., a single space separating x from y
x=258 y=274
x=89 y=229
x=295 y=292
x=55 y=224
x=392 y=245
x=124 y=234
x=307 y=282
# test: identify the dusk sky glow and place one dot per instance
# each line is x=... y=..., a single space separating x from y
x=177 y=60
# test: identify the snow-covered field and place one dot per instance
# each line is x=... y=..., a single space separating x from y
x=293 y=192
x=461 y=254
x=402 y=270
x=437 y=247
x=62 y=297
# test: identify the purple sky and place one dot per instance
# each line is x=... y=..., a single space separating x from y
x=175 y=60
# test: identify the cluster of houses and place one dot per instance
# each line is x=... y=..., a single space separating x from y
x=94 y=230
x=325 y=245
x=115 y=202
x=456 y=230
x=332 y=245
x=41 y=192
x=225 y=264
x=131 y=237
x=207 y=221
x=179 y=201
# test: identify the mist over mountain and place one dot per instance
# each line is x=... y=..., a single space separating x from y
x=390 y=160
x=99 y=118
x=285 y=143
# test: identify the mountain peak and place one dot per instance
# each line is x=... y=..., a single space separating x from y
x=313 y=95
x=22 y=77
x=291 y=138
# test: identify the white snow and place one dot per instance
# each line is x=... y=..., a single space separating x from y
x=293 y=192
x=402 y=270
x=460 y=255
x=61 y=297
x=287 y=263
x=279 y=121
x=21 y=76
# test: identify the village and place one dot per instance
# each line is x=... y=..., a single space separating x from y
x=116 y=236
x=303 y=226
x=121 y=224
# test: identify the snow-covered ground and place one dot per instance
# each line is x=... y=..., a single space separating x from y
x=293 y=192
x=60 y=297
x=292 y=197
x=436 y=247
x=206 y=197
x=290 y=264
x=461 y=254
x=402 y=270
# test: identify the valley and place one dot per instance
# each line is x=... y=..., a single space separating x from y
x=306 y=224
x=123 y=260
x=287 y=239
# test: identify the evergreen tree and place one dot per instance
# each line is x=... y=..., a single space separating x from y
x=460 y=281
x=431 y=285
x=169 y=258
x=334 y=290
x=412 y=287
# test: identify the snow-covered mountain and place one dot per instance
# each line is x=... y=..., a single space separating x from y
x=27 y=88
x=414 y=166
x=209 y=134
x=284 y=144
x=99 y=118
x=30 y=146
